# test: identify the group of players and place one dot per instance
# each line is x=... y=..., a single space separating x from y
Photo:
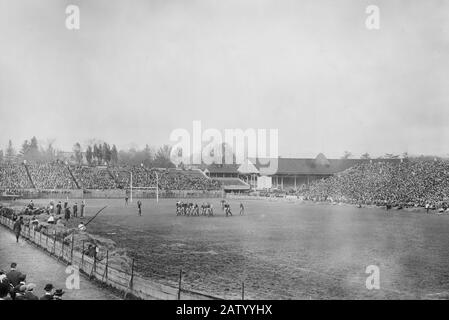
x=206 y=209
x=191 y=209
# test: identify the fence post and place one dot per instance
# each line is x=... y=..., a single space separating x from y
x=40 y=238
x=243 y=290
x=179 y=284
x=82 y=258
x=62 y=250
x=130 y=284
x=71 y=250
x=93 y=267
x=46 y=241
x=105 y=274
x=34 y=235
x=54 y=244
x=132 y=276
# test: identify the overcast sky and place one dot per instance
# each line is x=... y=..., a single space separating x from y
x=136 y=70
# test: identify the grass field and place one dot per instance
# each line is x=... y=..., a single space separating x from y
x=283 y=250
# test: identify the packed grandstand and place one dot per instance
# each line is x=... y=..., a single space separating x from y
x=57 y=175
x=408 y=183
x=403 y=183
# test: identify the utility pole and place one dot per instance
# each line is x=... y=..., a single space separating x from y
x=131 y=186
x=157 y=187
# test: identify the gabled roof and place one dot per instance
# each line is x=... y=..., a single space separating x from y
x=293 y=166
x=247 y=167
x=312 y=166
x=223 y=168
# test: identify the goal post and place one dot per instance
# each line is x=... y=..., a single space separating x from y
x=133 y=189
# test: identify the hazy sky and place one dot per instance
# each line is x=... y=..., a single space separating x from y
x=136 y=70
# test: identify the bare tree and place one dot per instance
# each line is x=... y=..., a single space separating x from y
x=365 y=156
x=346 y=155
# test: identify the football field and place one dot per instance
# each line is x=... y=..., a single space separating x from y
x=282 y=250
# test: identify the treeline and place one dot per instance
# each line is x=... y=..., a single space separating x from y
x=96 y=153
x=30 y=150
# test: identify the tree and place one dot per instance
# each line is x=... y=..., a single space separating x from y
x=25 y=149
x=30 y=150
x=33 y=151
x=346 y=155
x=89 y=155
x=78 y=153
x=114 y=155
x=1 y=156
x=97 y=154
x=365 y=156
x=10 y=152
x=147 y=156
x=162 y=158
x=106 y=152
x=49 y=154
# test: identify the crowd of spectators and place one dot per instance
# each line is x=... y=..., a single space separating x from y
x=53 y=175
x=168 y=179
x=57 y=175
x=14 y=176
x=185 y=181
x=14 y=286
x=93 y=178
x=410 y=183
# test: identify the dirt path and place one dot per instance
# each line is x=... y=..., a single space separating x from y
x=41 y=269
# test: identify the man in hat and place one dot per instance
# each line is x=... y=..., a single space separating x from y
x=83 y=204
x=139 y=206
x=21 y=283
x=34 y=221
x=58 y=294
x=51 y=219
x=17 y=228
x=29 y=292
x=4 y=290
x=13 y=275
x=81 y=226
x=58 y=208
x=59 y=222
x=75 y=210
x=20 y=292
x=67 y=214
x=48 y=292
x=3 y=277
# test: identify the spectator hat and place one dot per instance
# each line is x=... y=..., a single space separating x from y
x=59 y=292
x=31 y=287
x=48 y=287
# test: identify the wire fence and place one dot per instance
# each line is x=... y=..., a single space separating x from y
x=129 y=284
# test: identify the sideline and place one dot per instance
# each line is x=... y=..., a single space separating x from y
x=41 y=269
